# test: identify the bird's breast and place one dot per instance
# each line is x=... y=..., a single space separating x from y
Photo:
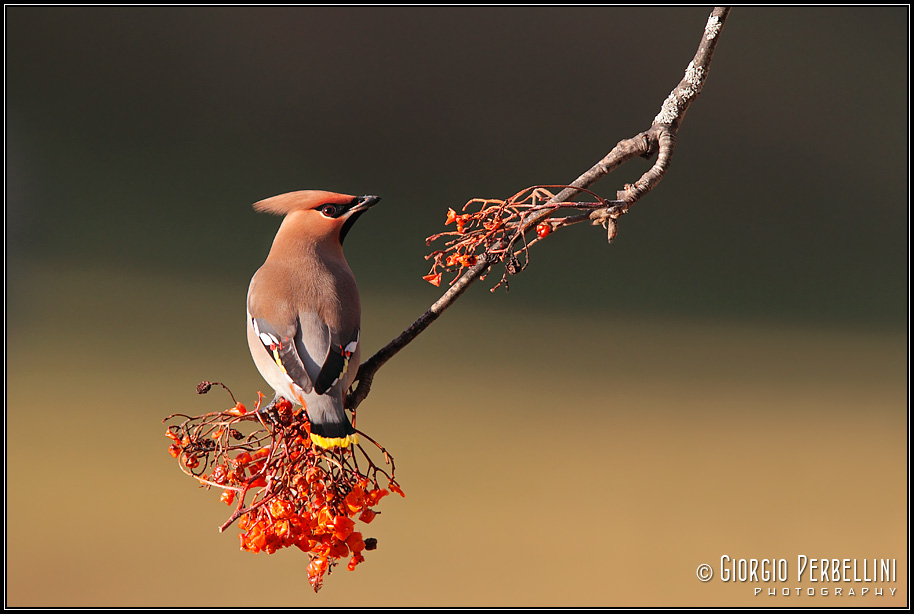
x=322 y=285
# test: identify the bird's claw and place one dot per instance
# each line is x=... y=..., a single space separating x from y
x=269 y=410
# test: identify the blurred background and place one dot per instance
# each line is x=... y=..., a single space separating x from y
x=728 y=378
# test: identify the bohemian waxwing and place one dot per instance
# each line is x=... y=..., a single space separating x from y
x=304 y=312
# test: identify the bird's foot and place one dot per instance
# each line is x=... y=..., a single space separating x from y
x=269 y=410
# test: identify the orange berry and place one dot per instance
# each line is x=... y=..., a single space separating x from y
x=355 y=500
x=318 y=565
x=376 y=495
x=272 y=546
x=355 y=542
x=220 y=474
x=543 y=229
x=435 y=280
x=324 y=520
x=253 y=540
x=258 y=539
x=338 y=550
x=298 y=526
x=280 y=508
x=227 y=497
x=355 y=560
x=175 y=450
x=305 y=544
x=282 y=528
x=367 y=515
x=342 y=527
x=316 y=570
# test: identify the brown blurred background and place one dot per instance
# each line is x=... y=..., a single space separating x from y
x=729 y=377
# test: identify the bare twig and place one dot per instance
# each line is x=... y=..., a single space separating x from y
x=660 y=138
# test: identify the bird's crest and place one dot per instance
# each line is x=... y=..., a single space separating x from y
x=303 y=199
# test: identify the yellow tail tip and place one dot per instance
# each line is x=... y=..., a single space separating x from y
x=334 y=442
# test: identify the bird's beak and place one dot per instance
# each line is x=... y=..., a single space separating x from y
x=360 y=205
x=363 y=203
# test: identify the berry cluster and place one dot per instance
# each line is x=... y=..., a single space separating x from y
x=490 y=233
x=289 y=491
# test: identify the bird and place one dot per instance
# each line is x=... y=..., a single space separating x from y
x=303 y=309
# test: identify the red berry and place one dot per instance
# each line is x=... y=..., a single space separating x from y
x=543 y=230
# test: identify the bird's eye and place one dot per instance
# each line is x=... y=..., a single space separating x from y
x=328 y=210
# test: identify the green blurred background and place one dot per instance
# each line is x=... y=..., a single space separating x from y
x=729 y=377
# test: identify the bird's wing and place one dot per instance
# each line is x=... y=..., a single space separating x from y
x=280 y=342
x=325 y=351
x=310 y=352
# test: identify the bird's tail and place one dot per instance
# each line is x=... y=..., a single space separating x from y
x=330 y=427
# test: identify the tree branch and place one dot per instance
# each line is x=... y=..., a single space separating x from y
x=660 y=138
